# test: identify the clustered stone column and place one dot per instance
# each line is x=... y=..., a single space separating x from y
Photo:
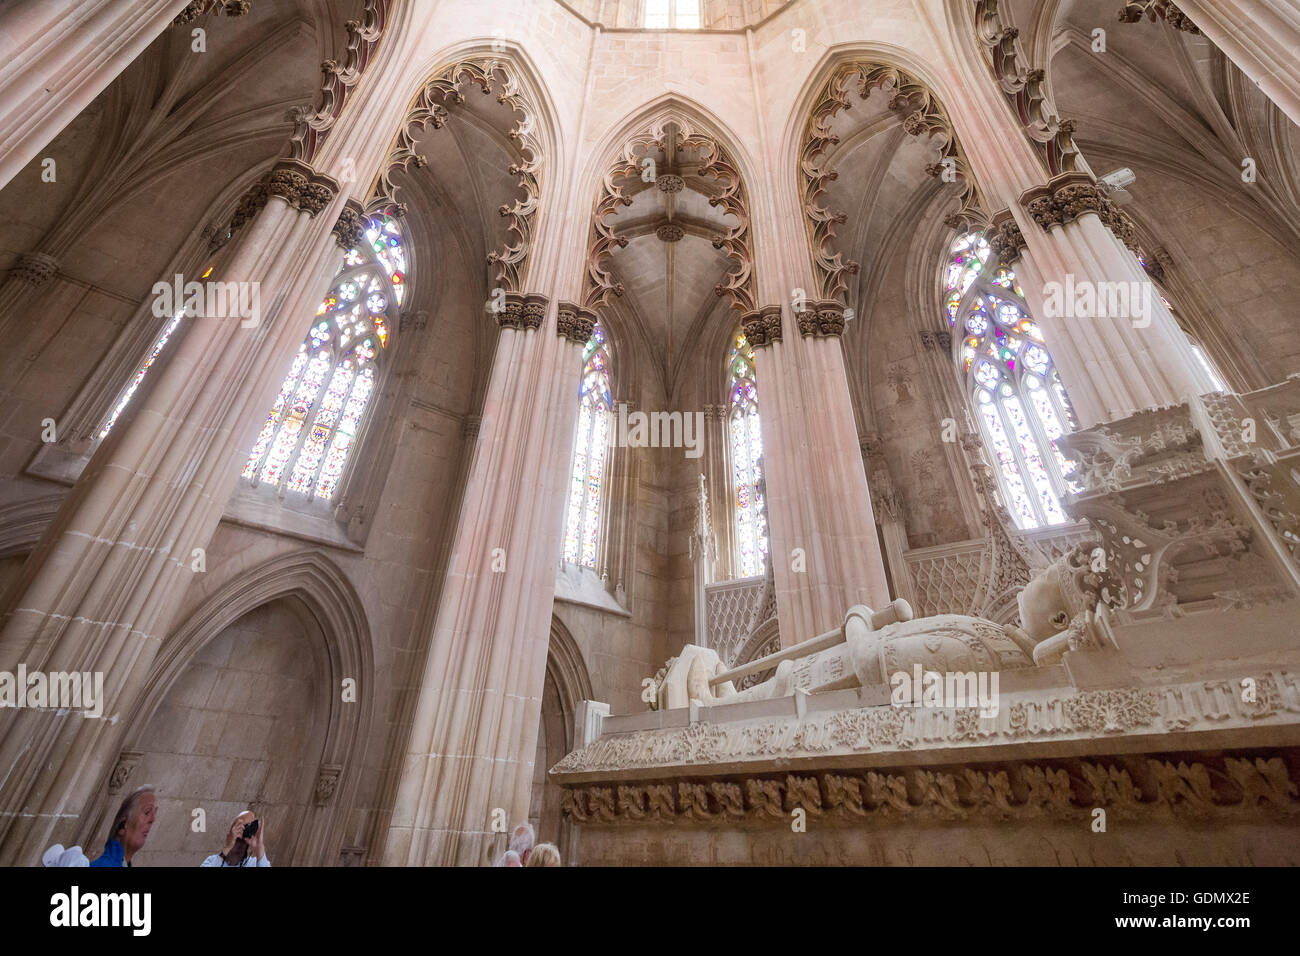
x=1260 y=38
x=56 y=56
x=474 y=734
x=818 y=501
x=101 y=589
x=1111 y=364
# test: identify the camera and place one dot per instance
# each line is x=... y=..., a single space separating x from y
x=250 y=828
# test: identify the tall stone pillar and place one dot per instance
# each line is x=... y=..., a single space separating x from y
x=101 y=589
x=56 y=56
x=703 y=545
x=1116 y=345
x=823 y=545
x=474 y=735
x=1261 y=37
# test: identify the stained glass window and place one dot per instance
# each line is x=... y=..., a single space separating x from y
x=313 y=424
x=1019 y=401
x=159 y=344
x=746 y=442
x=586 y=478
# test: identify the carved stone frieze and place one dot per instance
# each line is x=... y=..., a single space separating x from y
x=1218 y=786
x=1138 y=711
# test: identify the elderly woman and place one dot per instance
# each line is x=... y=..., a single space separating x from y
x=245 y=843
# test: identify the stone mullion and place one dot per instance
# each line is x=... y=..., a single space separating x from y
x=61 y=55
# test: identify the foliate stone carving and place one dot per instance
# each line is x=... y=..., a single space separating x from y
x=714 y=163
x=1006 y=240
x=313 y=124
x=669 y=232
x=1066 y=790
x=1166 y=10
x=941 y=340
x=327 y=782
x=920 y=113
x=430 y=109
x=763 y=326
x=1136 y=712
x=34 y=268
x=575 y=323
x=1025 y=89
x=821 y=318
x=350 y=229
x=301 y=186
x=1071 y=196
x=127 y=761
x=523 y=311
x=201 y=8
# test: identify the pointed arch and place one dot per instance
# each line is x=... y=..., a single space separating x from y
x=864 y=68
x=323 y=591
x=494 y=67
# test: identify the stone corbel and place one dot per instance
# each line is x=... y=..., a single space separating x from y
x=201 y=8
x=575 y=323
x=127 y=761
x=327 y=782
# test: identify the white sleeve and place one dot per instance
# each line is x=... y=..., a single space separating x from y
x=263 y=861
x=214 y=860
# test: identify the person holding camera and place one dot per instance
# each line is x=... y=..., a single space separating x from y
x=245 y=844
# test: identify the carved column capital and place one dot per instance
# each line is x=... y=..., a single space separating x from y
x=762 y=326
x=822 y=318
x=350 y=228
x=1166 y=10
x=327 y=781
x=301 y=186
x=34 y=268
x=201 y=8
x=523 y=311
x=936 y=340
x=1005 y=239
x=1070 y=196
x=575 y=323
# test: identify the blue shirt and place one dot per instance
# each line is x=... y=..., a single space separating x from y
x=114 y=855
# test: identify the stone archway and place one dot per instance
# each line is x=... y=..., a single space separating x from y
x=231 y=715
